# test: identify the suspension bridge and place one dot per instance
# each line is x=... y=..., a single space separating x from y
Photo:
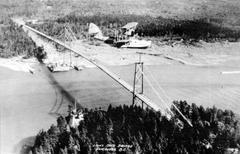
x=139 y=75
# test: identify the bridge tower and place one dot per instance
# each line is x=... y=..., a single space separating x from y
x=138 y=82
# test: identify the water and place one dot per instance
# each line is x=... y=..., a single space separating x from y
x=32 y=102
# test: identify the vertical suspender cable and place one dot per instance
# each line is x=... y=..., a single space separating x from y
x=185 y=118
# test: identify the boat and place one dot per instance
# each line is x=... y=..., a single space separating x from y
x=58 y=67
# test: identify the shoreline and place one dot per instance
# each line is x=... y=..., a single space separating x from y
x=19 y=64
x=39 y=98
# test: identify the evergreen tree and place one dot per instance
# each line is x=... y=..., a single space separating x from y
x=61 y=123
x=147 y=131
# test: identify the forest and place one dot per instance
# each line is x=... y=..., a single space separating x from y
x=14 y=41
x=209 y=30
x=131 y=129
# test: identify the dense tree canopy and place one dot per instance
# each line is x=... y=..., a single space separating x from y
x=14 y=41
x=131 y=129
x=188 y=30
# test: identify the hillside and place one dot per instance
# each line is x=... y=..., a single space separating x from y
x=224 y=10
x=33 y=101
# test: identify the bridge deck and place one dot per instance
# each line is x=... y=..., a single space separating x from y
x=123 y=83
